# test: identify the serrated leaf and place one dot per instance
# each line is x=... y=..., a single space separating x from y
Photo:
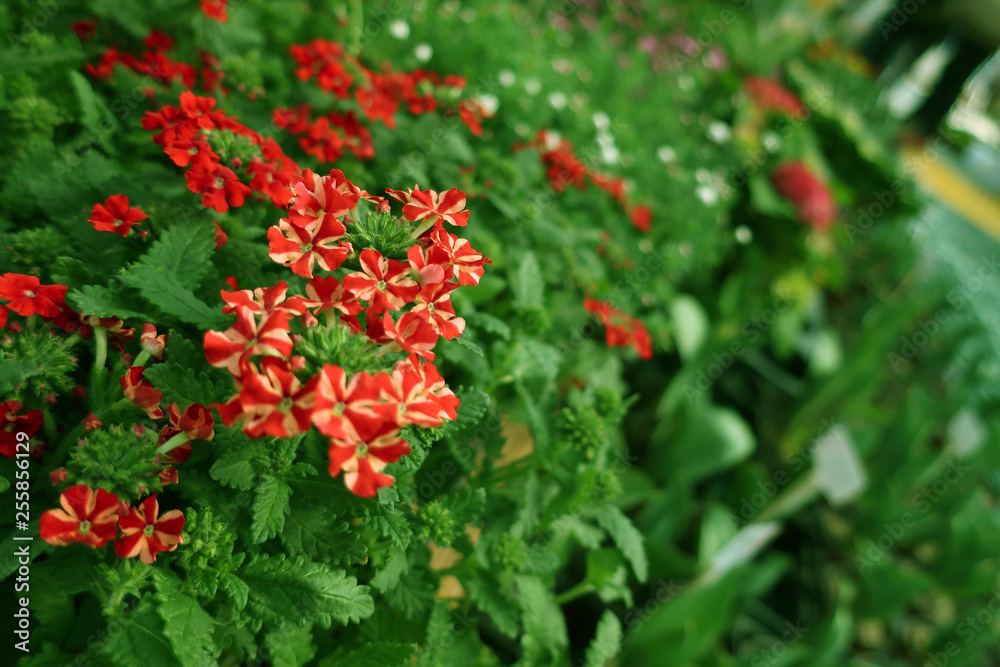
x=485 y=591
x=186 y=385
x=312 y=531
x=526 y=282
x=468 y=345
x=235 y=588
x=234 y=468
x=102 y=302
x=473 y=404
x=92 y=107
x=412 y=596
x=607 y=641
x=290 y=645
x=392 y=523
x=395 y=565
x=545 y=635
x=186 y=625
x=270 y=506
x=379 y=654
x=184 y=251
x=15 y=371
x=172 y=297
x=491 y=324
x=466 y=505
x=140 y=640
x=535 y=359
x=301 y=589
x=625 y=536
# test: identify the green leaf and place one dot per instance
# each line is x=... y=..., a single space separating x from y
x=473 y=405
x=485 y=591
x=185 y=386
x=379 y=654
x=545 y=636
x=290 y=645
x=711 y=440
x=468 y=345
x=235 y=588
x=626 y=537
x=395 y=565
x=184 y=251
x=607 y=642
x=102 y=302
x=92 y=107
x=234 y=468
x=466 y=505
x=526 y=282
x=15 y=371
x=300 y=589
x=494 y=325
x=141 y=639
x=535 y=359
x=269 y=508
x=167 y=292
x=690 y=325
x=186 y=625
x=392 y=523
x=309 y=529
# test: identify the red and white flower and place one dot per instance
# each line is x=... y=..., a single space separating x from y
x=271 y=401
x=382 y=282
x=467 y=261
x=448 y=206
x=433 y=303
x=145 y=533
x=86 y=517
x=362 y=462
x=301 y=248
x=138 y=390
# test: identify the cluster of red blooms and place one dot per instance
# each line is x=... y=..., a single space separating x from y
x=811 y=196
x=155 y=63
x=362 y=414
x=185 y=132
x=564 y=168
x=379 y=96
x=93 y=518
x=770 y=95
x=621 y=330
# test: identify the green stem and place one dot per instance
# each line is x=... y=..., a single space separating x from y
x=101 y=339
x=423 y=227
x=582 y=588
x=142 y=358
x=173 y=443
x=357 y=17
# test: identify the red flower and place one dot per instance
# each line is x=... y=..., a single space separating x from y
x=621 y=330
x=271 y=401
x=220 y=236
x=85 y=30
x=215 y=10
x=141 y=392
x=11 y=425
x=362 y=461
x=220 y=188
x=300 y=249
x=382 y=282
x=412 y=333
x=85 y=517
x=145 y=533
x=418 y=394
x=641 y=217
x=444 y=206
x=810 y=195
x=433 y=303
x=91 y=422
x=249 y=337
x=320 y=198
x=58 y=476
x=114 y=215
x=152 y=343
x=326 y=293
x=772 y=96
x=27 y=296
x=467 y=261
x=349 y=411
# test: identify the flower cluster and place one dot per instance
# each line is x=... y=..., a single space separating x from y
x=379 y=96
x=564 y=169
x=192 y=135
x=811 y=196
x=770 y=95
x=93 y=518
x=361 y=414
x=621 y=330
x=157 y=64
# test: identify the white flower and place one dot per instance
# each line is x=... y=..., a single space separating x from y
x=719 y=132
x=489 y=104
x=666 y=154
x=743 y=234
x=610 y=154
x=507 y=78
x=557 y=100
x=423 y=52
x=532 y=86
x=601 y=121
x=707 y=194
x=771 y=141
x=399 y=29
